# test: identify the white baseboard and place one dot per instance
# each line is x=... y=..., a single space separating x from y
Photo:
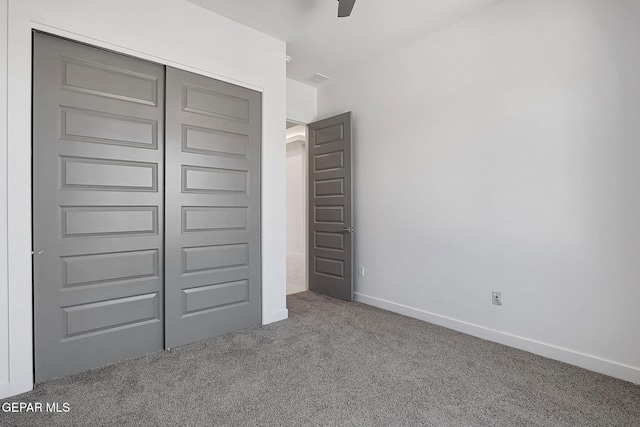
x=5 y=390
x=592 y=363
x=277 y=316
x=8 y=389
x=296 y=289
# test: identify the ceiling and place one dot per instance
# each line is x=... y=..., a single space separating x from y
x=320 y=42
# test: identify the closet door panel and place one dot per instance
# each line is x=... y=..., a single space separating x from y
x=98 y=163
x=212 y=208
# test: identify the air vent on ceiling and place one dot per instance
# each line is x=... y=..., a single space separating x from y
x=317 y=78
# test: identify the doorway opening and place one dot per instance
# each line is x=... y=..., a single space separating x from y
x=297 y=279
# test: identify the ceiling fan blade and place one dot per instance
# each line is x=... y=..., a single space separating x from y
x=345 y=7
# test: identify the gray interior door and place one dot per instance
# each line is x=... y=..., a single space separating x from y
x=330 y=207
x=213 y=208
x=97 y=207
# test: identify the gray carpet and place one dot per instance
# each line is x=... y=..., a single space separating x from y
x=334 y=363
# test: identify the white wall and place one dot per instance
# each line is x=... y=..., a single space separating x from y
x=302 y=102
x=172 y=32
x=296 y=203
x=296 y=209
x=296 y=217
x=503 y=153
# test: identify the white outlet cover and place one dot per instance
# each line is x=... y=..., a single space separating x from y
x=496 y=298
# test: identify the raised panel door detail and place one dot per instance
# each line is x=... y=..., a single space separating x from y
x=330 y=134
x=105 y=316
x=216 y=257
x=214 y=142
x=105 y=128
x=329 y=161
x=330 y=241
x=330 y=247
x=111 y=82
x=197 y=179
x=329 y=267
x=98 y=207
x=211 y=103
x=211 y=297
x=109 y=267
x=329 y=187
x=108 y=175
x=205 y=218
x=85 y=221
x=212 y=279
x=329 y=214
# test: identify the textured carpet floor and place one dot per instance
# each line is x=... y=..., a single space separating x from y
x=334 y=363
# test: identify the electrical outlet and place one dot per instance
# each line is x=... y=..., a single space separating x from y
x=361 y=271
x=496 y=298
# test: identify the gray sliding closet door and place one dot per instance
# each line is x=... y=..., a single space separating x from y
x=97 y=207
x=213 y=208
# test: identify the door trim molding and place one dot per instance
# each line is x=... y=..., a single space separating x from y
x=56 y=31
